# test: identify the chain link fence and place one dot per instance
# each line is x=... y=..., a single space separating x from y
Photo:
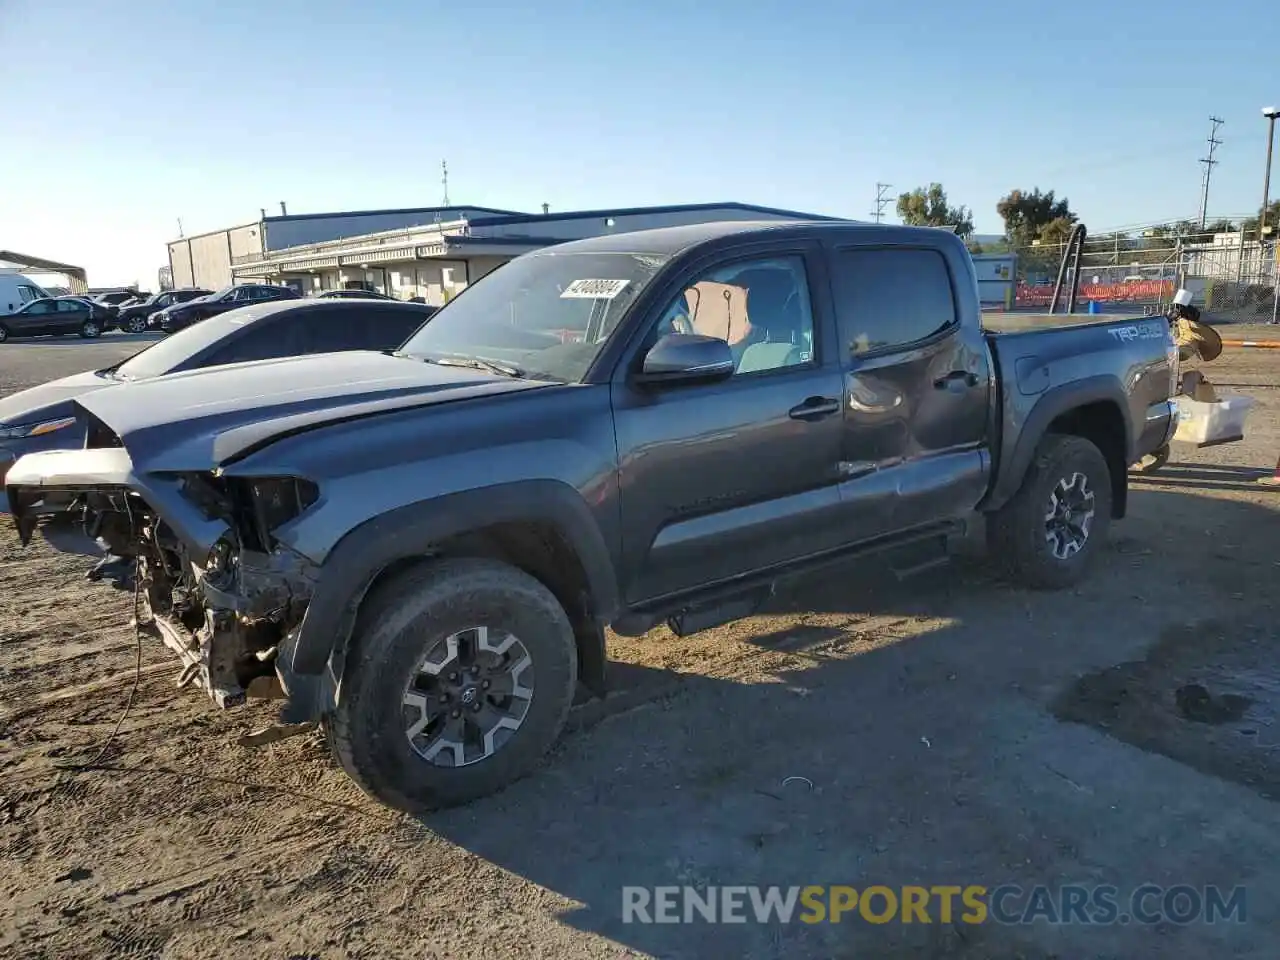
x=1231 y=281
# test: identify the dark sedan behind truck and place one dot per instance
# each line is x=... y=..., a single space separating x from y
x=45 y=418
x=180 y=315
x=133 y=317
x=53 y=316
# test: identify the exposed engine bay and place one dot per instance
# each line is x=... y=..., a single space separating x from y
x=226 y=613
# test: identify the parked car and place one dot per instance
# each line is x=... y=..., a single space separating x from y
x=133 y=317
x=112 y=299
x=421 y=550
x=357 y=294
x=115 y=297
x=52 y=316
x=45 y=418
x=179 y=315
x=97 y=311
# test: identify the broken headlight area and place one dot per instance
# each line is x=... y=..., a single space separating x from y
x=223 y=607
x=226 y=611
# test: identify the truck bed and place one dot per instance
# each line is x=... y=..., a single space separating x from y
x=999 y=322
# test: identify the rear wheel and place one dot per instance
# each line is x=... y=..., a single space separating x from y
x=90 y=329
x=459 y=680
x=1049 y=533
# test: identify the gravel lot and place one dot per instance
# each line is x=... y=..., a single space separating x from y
x=955 y=731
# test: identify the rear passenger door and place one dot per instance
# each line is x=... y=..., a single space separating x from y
x=917 y=389
x=71 y=315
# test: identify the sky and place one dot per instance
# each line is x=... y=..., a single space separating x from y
x=118 y=119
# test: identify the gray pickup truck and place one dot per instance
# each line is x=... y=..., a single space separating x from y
x=421 y=550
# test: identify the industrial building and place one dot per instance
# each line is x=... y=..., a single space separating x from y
x=77 y=279
x=429 y=252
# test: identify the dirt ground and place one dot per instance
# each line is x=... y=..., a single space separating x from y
x=955 y=731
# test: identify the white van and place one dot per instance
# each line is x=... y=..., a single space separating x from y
x=16 y=290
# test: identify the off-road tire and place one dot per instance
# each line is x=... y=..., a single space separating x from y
x=396 y=625
x=1016 y=532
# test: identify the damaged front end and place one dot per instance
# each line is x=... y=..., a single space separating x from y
x=221 y=591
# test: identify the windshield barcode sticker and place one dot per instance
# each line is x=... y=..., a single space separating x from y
x=594 y=289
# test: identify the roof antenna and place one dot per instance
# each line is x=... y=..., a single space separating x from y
x=444 y=180
x=283 y=211
x=546 y=209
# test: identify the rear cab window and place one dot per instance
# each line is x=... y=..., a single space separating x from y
x=890 y=298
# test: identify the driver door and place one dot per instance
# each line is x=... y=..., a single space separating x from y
x=723 y=479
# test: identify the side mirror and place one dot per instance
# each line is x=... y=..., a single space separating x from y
x=686 y=358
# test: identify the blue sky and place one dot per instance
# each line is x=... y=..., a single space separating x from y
x=119 y=118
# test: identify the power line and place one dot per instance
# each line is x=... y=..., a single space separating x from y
x=1208 y=162
x=881 y=200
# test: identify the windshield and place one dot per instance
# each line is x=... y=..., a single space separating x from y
x=547 y=315
x=165 y=355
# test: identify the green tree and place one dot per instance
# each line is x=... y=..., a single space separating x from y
x=1273 y=223
x=1025 y=215
x=928 y=207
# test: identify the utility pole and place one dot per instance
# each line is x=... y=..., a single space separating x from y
x=444 y=180
x=180 y=233
x=1208 y=162
x=881 y=200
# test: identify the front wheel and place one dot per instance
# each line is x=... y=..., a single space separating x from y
x=4 y=333
x=460 y=678
x=1047 y=536
x=137 y=325
x=90 y=329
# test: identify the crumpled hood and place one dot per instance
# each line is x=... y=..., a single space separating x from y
x=203 y=418
x=49 y=400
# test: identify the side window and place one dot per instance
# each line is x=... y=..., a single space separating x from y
x=761 y=308
x=890 y=298
x=46 y=307
x=354 y=328
x=66 y=306
x=388 y=329
x=27 y=293
x=266 y=341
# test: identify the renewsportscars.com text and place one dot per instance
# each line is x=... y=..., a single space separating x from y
x=972 y=904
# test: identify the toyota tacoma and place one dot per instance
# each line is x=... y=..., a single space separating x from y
x=420 y=550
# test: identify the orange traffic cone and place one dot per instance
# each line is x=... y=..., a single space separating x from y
x=1274 y=479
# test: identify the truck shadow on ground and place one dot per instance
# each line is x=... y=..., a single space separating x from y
x=926 y=753
x=1205 y=476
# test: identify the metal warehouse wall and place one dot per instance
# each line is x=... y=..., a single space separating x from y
x=205 y=260
x=572 y=228
x=301 y=230
x=211 y=260
x=246 y=240
x=180 y=261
